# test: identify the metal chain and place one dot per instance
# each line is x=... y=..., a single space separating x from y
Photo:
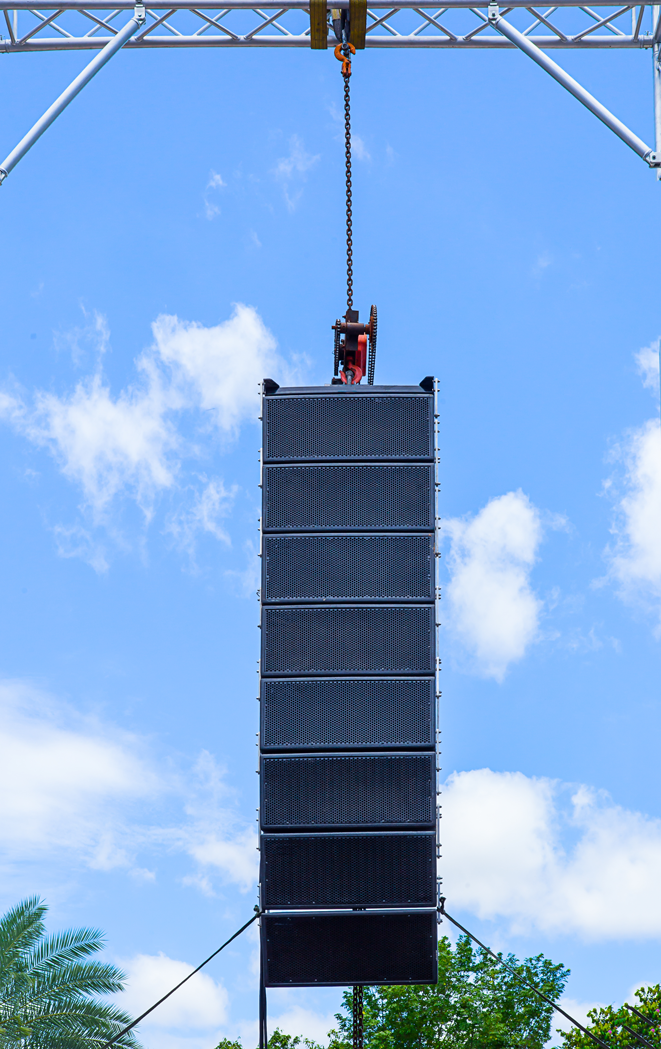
x=346 y=73
x=358 y=1017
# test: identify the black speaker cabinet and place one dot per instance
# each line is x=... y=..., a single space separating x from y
x=300 y=871
x=377 y=947
x=316 y=792
x=301 y=714
x=361 y=425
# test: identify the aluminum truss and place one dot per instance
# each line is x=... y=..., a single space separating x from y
x=92 y=25
x=75 y=25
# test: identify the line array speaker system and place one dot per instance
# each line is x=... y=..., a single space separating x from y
x=348 y=810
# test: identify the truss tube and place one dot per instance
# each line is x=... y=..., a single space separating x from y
x=249 y=5
x=70 y=93
x=480 y=43
x=656 y=65
x=568 y=82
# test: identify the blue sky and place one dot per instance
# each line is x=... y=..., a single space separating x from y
x=176 y=235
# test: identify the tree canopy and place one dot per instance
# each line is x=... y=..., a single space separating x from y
x=48 y=991
x=618 y=1027
x=476 y=1004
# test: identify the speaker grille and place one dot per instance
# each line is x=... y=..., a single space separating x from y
x=348 y=498
x=345 y=949
x=349 y=426
x=377 y=640
x=394 y=790
x=377 y=712
x=345 y=870
x=342 y=568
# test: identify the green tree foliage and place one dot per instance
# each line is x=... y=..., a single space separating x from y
x=47 y=989
x=476 y=1004
x=608 y=1023
x=277 y=1040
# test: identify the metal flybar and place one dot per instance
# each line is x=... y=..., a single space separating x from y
x=75 y=25
x=589 y=101
x=60 y=104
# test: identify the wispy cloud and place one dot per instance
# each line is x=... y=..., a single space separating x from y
x=209 y=507
x=92 y=337
x=211 y=207
x=80 y=791
x=359 y=149
x=130 y=444
x=647 y=362
x=292 y=170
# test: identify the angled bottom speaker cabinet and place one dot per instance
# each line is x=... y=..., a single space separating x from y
x=354 y=947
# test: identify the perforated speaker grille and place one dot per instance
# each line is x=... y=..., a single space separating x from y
x=350 y=791
x=348 y=498
x=339 y=640
x=348 y=426
x=346 y=870
x=376 y=712
x=342 y=567
x=344 y=949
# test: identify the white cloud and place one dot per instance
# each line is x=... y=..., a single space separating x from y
x=293 y=168
x=199 y=1008
x=219 y=369
x=78 y=789
x=647 y=361
x=213 y=835
x=578 y=1010
x=635 y=557
x=492 y=607
x=297 y=1020
x=61 y=778
x=129 y=444
x=545 y=856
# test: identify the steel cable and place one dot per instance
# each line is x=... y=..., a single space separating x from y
x=106 y=1045
x=528 y=983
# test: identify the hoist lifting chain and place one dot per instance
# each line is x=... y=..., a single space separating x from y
x=343 y=53
x=353 y=351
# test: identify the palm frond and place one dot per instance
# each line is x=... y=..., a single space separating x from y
x=84 y=1024
x=58 y=983
x=20 y=929
x=67 y=946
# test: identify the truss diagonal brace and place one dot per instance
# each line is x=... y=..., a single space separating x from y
x=74 y=87
x=589 y=101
